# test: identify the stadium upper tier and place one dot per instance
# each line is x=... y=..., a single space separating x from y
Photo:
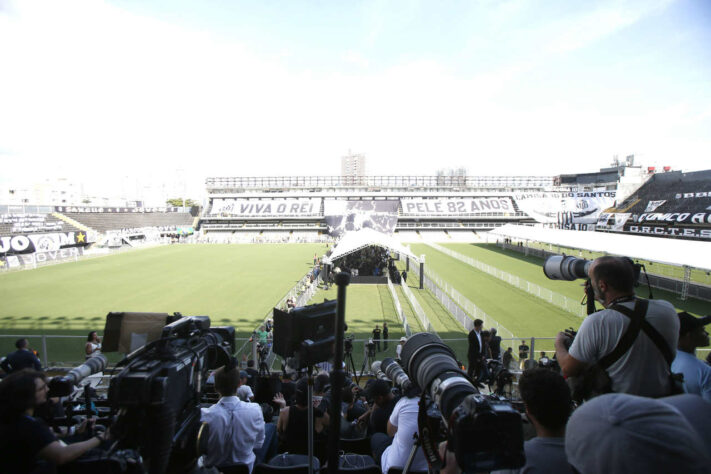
x=222 y=185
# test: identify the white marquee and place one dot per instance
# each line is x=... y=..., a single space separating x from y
x=690 y=253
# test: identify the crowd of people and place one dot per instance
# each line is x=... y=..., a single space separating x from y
x=371 y=261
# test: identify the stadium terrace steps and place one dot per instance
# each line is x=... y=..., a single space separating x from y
x=103 y=222
x=71 y=221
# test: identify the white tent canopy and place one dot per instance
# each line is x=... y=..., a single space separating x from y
x=689 y=253
x=354 y=241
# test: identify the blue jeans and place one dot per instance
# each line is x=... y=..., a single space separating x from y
x=378 y=443
x=269 y=448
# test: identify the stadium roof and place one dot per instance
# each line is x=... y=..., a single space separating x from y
x=356 y=240
x=655 y=249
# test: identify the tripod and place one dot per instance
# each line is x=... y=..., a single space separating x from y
x=350 y=365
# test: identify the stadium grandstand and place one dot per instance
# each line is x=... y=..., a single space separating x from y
x=307 y=208
x=39 y=234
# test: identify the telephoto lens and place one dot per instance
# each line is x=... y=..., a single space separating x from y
x=395 y=373
x=562 y=267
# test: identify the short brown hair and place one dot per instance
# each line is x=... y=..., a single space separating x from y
x=227 y=381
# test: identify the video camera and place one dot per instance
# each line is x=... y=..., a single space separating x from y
x=348 y=344
x=156 y=399
x=485 y=433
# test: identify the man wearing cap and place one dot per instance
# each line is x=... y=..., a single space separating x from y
x=244 y=392
x=697 y=375
x=398 y=348
x=620 y=433
x=642 y=369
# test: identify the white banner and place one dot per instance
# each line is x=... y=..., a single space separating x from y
x=455 y=206
x=573 y=207
x=240 y=207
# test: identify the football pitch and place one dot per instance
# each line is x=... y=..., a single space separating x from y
x=239 y=284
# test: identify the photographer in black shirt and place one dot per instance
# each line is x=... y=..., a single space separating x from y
x=24 y=440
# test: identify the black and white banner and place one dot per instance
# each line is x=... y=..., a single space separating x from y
x=115 y=210
x=474 y=206
x=343 y=216
x=684 y=232
x=33 y=259
x=568 y=207
x=310 y=207
x=20 y=244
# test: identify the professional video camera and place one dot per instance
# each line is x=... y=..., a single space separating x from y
x=156 y=398
x=485 y=433
x=348 y=344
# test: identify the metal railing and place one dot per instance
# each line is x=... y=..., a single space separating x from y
x=556 y=299
x=424 y=321
x=398 y=308
x=459 y=306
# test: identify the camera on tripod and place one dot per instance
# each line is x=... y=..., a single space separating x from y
x=348 y=344
x=484 y=432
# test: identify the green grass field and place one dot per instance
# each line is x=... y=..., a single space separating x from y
x=239 y=284
x=233 y=284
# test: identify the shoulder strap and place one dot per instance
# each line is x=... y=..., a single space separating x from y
x=636 y=317
x=658 y=341
x=650 y=331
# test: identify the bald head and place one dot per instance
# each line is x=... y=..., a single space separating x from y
x=615 y=273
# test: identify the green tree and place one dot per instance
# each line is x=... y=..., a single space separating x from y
x=178 y=202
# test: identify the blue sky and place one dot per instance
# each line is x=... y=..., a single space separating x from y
x=260 y=88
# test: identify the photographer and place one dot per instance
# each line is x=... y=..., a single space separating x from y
x=236 y=427
x=383 y=405
x=640 y=370
x=402 y=426
x=548 y=407
x=25 y=441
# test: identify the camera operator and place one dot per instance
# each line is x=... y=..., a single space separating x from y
x=236 y=427
x=25 y=441
x=548 y=406
x=642 y=369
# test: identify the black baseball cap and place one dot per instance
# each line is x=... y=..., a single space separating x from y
x=378 y=388
x=688 y=323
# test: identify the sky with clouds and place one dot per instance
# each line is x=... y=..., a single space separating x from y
x=95 y=89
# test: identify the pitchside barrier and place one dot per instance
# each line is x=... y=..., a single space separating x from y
x=418 y=309
x=400 y=314
x=68 y=351
x=545 y=294
x=463 y=310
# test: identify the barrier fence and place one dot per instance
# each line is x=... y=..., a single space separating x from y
x=398 y=308
x=556 y=299
x=68 y=351
x=424 y=321
x=463 y=310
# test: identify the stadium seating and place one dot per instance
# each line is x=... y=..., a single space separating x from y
x=103 y=222
x=15 y=224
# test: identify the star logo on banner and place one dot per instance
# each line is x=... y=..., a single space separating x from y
x=80 y=237
x=2 y=263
